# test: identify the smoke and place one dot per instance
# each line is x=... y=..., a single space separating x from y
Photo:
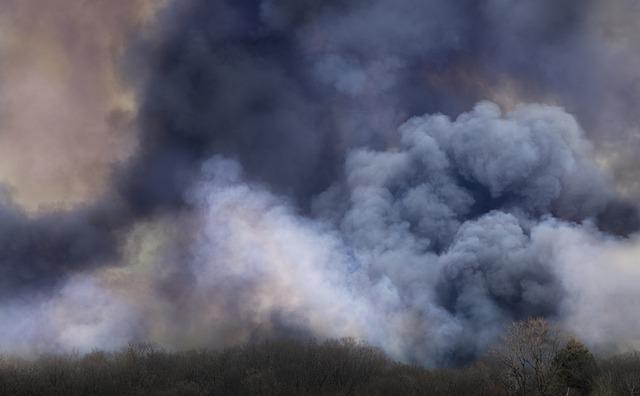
x=418 y=249
x=296 y=168
x=66 y=119
x=449 y=216
x=65 y=112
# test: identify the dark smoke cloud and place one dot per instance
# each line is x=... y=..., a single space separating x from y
x=457 y=200
x=287 y=87
x=333 y=215
x=36 y=253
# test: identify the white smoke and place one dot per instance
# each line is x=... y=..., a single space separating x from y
x=80 y=317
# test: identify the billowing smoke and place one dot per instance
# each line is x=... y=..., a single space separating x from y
x=324 y=169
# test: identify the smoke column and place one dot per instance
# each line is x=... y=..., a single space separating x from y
x=415 y=174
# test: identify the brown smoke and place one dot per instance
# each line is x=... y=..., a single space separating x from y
x=65 y=113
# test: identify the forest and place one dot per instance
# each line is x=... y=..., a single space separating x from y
x=532 y=358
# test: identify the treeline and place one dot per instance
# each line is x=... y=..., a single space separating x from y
x=532 y=359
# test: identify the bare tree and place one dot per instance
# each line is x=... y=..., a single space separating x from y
x=620 y=375
x=526 y=355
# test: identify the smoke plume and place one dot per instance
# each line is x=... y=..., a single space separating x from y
x=415 y=174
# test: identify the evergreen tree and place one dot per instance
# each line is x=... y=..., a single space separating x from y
x=576 y=366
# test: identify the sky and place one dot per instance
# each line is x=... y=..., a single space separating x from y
x=414 y=174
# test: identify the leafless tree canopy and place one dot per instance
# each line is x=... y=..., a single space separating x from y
x=526 y=355
x=532 y=359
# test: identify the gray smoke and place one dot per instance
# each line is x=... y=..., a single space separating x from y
x=446 y=217
x=283 y=185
